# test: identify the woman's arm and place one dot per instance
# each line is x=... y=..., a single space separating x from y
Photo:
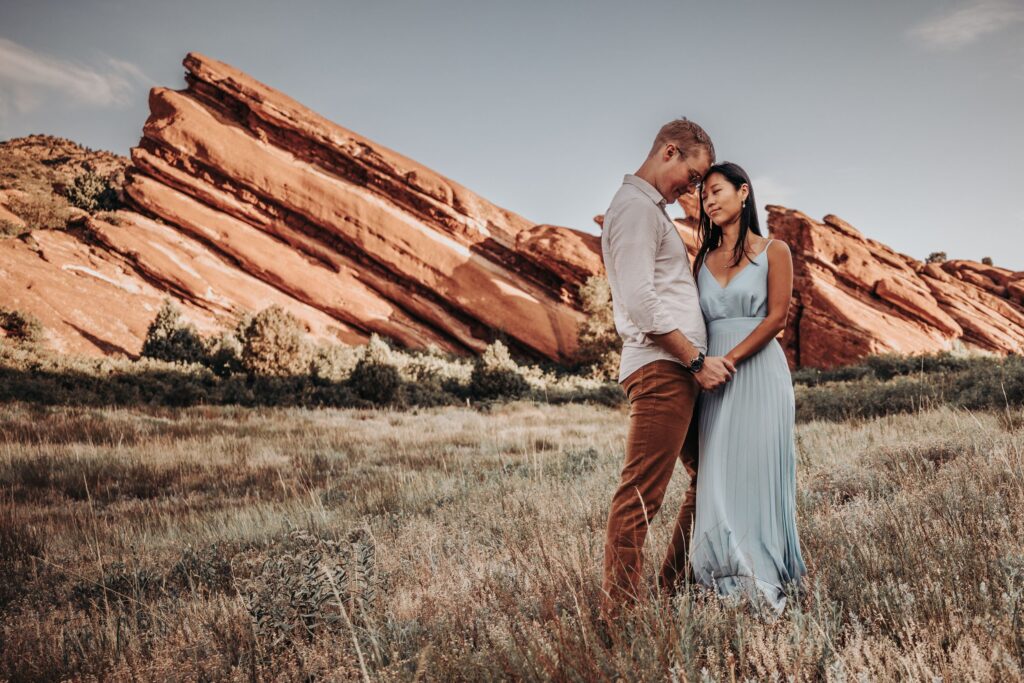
x=780 y=291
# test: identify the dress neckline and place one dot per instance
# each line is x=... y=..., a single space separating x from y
x=704 y=265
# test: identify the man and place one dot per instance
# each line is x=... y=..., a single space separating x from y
x=663 y=368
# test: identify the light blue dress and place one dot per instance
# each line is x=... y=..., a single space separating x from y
x=745 y=542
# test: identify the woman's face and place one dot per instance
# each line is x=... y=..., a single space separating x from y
x=722 y=201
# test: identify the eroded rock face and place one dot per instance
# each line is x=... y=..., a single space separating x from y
x=241 y=197
x=855 y=296
x=348 y=227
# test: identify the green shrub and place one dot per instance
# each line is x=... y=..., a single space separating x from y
x=41 y=211
x=889 y=365
x=223 y=354
x=273 y=344
x=427 y=395
x=990 y=384
x=331 y=363
x=600 y=346
x=23 y=328
x=375 y=377
x=92 y=192
x=837 y=401
x=10 y=228
x=109 y=217
x=170 y=339
x=976 y=383
x=496 y=375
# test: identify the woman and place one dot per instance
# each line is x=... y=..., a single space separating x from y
x=745 y=541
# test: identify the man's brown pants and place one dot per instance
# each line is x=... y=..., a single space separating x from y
x=662 y=427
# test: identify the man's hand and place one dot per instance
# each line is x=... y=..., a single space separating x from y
x=717 y=371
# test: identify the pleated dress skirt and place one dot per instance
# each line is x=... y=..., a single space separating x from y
x=745 y=542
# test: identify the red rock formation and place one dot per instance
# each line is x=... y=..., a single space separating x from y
x=854 y=296
x=349 y=227
x=242 y=198
x=258 y=200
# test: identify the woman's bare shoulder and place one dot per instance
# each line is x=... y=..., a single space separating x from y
x=776 y=245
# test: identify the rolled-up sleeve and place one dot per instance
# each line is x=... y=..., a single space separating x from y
x=633 y=236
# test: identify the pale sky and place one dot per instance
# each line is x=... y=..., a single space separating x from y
x=903 y=118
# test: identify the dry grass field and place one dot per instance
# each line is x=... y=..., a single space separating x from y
x=224 y=543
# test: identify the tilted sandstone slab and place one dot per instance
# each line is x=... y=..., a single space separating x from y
x=854 y=296
x=349 y=227
x=97 y=288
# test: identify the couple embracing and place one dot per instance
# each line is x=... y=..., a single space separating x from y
x=706 y=380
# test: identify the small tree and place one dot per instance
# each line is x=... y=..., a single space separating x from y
x=496 y=374
x=936 y=257
x=599 y=344
x=92 y=192
x=171 y=339
x=223 y=354
x=375 y=377
x=273 y=344
x=333 y=362
x=986 y=260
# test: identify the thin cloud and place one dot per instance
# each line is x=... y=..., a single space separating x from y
x=28 y=77
x=967 y=23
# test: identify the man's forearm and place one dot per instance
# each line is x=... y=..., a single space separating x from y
x=676 y=343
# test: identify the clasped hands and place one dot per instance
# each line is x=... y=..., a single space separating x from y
x=717 y=371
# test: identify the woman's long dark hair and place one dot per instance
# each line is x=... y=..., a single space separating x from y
x=711 y=234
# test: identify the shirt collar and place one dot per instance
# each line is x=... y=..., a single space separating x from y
x=646 y=188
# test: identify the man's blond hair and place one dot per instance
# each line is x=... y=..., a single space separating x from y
x=686 y=135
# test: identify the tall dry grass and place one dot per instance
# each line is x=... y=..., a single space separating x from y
x=223 y=543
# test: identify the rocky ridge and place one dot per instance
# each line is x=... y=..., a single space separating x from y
x=238 y=197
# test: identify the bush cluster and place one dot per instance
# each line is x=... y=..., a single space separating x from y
x=375 y=377
x=92 y=192
x=23 y=328
x=496 y=375
x=41 y=211
x=266 y=359
x=600 y=346
x=170 y=339
x=272 y=344
x=890 y=384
